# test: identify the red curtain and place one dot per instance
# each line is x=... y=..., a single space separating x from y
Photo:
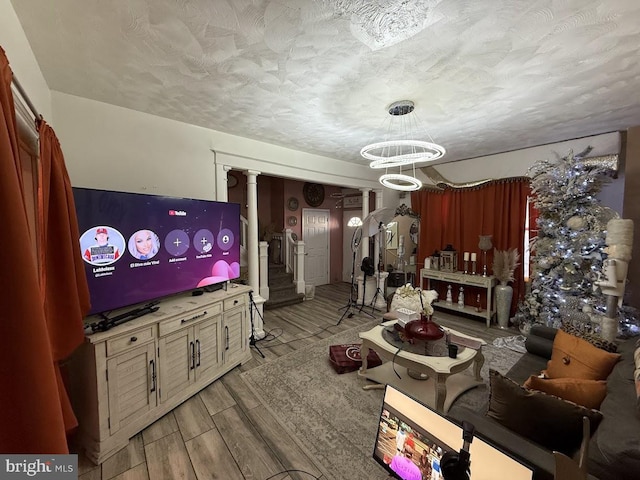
x=459 y=216
x=37 y=328
x=62 y=277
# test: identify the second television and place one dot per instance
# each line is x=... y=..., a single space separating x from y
x=139 y=247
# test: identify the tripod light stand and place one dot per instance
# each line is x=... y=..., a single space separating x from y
x=252 y=339
x=352 y=304
x=375 y=224
x=381 y=232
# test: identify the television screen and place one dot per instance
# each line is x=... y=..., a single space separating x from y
x=138 y=248
x=412 y=438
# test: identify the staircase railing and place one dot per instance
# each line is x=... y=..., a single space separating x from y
x=294 y=253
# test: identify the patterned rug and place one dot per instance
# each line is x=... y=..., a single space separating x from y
x=330 y=415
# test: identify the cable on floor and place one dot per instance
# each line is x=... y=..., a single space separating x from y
x=295 y=339
x=292 y=471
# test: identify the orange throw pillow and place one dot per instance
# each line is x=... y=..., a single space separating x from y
x=573 y=357
x=588 y=393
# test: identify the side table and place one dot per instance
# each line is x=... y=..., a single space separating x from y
x=460 y=278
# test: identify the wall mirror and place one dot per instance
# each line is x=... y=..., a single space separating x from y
x=402 y=242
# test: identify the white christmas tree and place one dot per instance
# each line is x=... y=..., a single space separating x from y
x=568 y=251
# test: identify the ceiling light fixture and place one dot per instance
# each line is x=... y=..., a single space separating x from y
x=398 y=181
x=401 y=146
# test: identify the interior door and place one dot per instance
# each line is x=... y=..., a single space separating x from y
x=315 y=233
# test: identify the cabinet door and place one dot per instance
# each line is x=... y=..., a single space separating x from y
x=176 y=356
x=234 y=335
x=208 y=353
x=131 y=385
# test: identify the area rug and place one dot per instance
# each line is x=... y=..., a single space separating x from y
x=330 y=415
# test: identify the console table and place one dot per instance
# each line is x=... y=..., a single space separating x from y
x=126 y=378
x=460 y=278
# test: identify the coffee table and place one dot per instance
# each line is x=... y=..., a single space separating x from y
x=442 y=378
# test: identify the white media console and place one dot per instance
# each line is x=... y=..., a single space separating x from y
x=126 y=378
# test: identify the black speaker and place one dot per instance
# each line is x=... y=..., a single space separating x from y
x=396 y=279
x=368 y=266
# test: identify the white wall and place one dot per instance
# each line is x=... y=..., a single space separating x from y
x=517 y=163
x=22 y=60
x=111 y=147
x=114 y=148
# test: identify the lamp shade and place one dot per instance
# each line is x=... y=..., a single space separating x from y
x=485 y=242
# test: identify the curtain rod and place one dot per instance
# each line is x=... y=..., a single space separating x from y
x=25 y=97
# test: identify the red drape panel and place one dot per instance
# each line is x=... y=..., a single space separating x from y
x=459 y=216
x=62 y=277
x=66 y=294
x=32 y=415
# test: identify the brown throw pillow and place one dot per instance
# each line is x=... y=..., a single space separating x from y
x=549 y=421
x=573 y=357
x=588 y=393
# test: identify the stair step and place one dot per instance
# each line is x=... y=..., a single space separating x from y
x=282 y=287
x=274 y=268
x=280 y=279
x=282 y=290
x=283 y=302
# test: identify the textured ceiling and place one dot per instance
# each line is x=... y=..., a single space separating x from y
x=486 y=76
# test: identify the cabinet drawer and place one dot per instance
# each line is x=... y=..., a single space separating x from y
x=452 y=278
x=480 y=281
x=235 y=302
x=130 y=340
x=170 y=326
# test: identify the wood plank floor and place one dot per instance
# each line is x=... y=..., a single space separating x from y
x=222 y=432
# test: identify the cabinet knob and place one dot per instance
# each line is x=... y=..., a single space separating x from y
x=134 y=339
x=235 y=302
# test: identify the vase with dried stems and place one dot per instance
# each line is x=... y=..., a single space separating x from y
x=504 y=266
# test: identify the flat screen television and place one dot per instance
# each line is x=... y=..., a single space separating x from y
x=412 y=438
x=138 y=248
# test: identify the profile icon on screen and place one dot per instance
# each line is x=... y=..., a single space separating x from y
x=144 y=244
x=104 y=251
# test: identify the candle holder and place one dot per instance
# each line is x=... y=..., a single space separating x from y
x=473 y=267
x=466 y=266
x=484 y=245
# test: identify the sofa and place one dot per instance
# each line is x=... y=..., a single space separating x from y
x=614 y=447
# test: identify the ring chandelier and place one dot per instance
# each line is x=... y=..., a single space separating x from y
x=401 y=149
x=394 y=153
x=398 y=181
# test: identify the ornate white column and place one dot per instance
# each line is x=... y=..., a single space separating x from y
x=379 y=197
x=264 y=270
x=252 y=249
x=222 y=188
x=365 y=213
